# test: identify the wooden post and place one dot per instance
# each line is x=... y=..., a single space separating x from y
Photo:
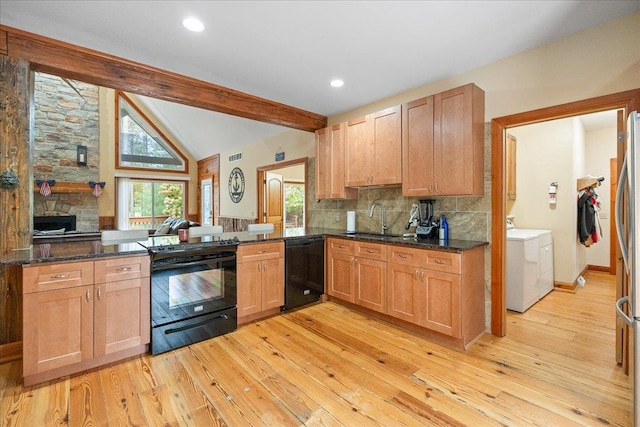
x=15 y=153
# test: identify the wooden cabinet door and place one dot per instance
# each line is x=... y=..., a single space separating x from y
x=340 y=282
x=458 y=141
x=417 y=148
x=323 y=164
x=121 y=315
x=371 y=284
x=337 y=189
x=385 y=164
x=358 y=149
x=272 y=283
x=441 y=303
x=58 y=328
x=249 y=288
x=403 y=282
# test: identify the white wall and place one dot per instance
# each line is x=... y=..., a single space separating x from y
x=295 y=144
x=561 y=151
x=544 y=154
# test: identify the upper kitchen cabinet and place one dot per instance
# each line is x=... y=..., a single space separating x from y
x=443 y=144
x=330 y=164
x=374 y=149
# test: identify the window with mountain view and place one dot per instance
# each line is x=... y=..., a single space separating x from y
x=140 y=142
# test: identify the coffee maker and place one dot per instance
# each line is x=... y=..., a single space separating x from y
x=428 y=228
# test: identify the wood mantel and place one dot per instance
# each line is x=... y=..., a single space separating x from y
x=67 y=187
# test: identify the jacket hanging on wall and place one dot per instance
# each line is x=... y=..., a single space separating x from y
x=589 y=230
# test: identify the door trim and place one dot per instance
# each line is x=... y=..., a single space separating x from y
x=499 y=126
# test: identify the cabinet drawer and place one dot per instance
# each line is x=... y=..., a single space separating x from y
x=260 y=251
x=56 y=276
x=407 y=256
x=449 y=262
x=372 y=251
x=341 y=246
x=112 y=269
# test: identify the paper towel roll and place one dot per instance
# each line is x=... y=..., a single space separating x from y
x=351 y=221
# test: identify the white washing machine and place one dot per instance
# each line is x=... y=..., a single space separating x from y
x=529 y=267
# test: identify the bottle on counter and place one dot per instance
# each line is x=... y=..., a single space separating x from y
x=443 y=231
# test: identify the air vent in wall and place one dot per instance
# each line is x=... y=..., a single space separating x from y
x=235 y=157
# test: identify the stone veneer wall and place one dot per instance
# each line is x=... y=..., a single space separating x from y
x=469 y=218
x=64 y=119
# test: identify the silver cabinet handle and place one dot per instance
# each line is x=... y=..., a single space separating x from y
x=621 y=314
x=439 y=261
x=122 y=269
x=59 y=276
x=403 y=256
x=88 y=295
x=422 y=275
x=99 y=293
x=264 y=266
x=415 y=274
x=369 y=251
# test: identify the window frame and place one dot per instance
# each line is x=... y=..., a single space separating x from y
x=133 y=180
x=151 y=123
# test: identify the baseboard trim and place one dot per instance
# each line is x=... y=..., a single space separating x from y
x=573 y=287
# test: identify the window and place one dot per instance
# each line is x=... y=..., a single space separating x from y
x=140 y=144
x=145 y=204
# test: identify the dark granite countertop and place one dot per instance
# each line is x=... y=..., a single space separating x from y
x=53 y=250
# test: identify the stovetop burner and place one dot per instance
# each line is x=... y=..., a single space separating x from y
x=171 y=244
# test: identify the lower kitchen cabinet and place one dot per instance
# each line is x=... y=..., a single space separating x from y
x=72 y=324
x=357 y=273
x=437 y=291
x=58 y=329
x=260 y=269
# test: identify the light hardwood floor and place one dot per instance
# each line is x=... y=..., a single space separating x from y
x=328 y=365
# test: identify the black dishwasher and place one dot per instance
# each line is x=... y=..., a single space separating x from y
x=304 y=271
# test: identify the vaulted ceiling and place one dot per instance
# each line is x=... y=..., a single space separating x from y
x=288 y=51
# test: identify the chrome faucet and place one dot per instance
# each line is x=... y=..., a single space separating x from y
x=383 y=227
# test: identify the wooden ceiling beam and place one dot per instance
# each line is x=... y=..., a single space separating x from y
x=75 y=62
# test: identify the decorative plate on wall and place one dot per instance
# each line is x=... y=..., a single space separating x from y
x=236 y=185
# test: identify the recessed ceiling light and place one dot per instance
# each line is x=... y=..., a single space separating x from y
x=193 y=24
x=337 y=83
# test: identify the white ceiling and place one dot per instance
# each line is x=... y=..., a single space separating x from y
x=288 y=51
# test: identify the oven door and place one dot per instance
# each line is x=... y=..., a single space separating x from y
x=191 y=286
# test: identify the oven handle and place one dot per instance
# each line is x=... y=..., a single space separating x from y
x=195 y=324
x=178 y=264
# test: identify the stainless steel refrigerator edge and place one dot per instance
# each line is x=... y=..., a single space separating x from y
x=627 y=188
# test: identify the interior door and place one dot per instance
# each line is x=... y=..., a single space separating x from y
x=206 y=200
x=274 y=209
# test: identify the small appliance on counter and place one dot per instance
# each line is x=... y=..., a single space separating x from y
x=428 y=228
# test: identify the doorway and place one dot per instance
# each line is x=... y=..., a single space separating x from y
x=272 y=204
x=623 y=100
